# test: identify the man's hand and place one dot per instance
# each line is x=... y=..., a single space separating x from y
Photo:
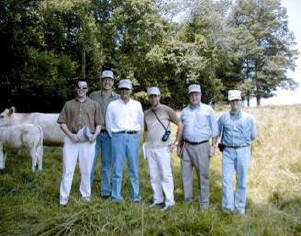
x=179 y=151
x=172 y=146
x=212 y=151
x=92 y=138
x=74 y=138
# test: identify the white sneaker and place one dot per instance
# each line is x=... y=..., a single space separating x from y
x=241 y=212
x=63 y=204
x=85 y=199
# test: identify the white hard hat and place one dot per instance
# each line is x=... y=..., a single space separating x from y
x=125 y=83
x=194 y=88
x=107 y=74
x=234 y=95
x=153 y=91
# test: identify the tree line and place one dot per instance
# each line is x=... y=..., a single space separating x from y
x=47 y=44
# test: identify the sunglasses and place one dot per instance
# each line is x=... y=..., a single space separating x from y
x=82 y=88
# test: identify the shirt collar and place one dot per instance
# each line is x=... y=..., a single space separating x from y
x=236 y=114
x=159 y=105
x=192 y=107
x=76 y=99
x=113 y=94
x=122 y=102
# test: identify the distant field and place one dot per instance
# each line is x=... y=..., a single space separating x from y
x=29 y=202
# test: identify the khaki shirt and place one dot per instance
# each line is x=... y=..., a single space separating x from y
x=154 y=130
x=76 y=115
x=97 y=96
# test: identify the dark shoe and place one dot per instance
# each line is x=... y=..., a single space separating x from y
x=116 y=200
x=226 y=211
x=105 y=196
x=189 y=200
x=161 y=204
x=166 y=208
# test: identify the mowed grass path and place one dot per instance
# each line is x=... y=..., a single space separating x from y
x=29 y=202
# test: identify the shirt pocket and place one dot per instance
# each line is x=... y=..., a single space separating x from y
x=245 y=129
x=202 y=120
x=185 y=118
x=227 y=125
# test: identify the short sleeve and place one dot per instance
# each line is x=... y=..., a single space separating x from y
x=253 y=128
x=173 y=115
x=98 y=115
x=220 y=125
x=213 y=123
x=63 y=115
x=145 y=125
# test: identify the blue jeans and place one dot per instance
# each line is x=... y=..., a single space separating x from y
x=235 y=160
x=125 y=146
x=104 y=143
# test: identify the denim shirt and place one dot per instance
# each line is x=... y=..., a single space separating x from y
x=199 y=123
x=237 y=129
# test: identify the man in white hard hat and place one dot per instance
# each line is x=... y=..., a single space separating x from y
x=199 y=128
x=237 y=130
x=103 y=141
x=124 y=122
x=157 y=148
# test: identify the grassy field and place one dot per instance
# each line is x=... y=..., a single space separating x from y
x=29 y=202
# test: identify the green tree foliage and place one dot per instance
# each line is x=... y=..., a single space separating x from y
x=47 y=44
x=267 y=46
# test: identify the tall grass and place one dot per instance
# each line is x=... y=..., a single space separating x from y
x=29 y=202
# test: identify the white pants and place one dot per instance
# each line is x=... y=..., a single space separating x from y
x=159 y=162
x=85 y=152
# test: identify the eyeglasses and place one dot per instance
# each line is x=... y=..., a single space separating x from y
x=82 y=88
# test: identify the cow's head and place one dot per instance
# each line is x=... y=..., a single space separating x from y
x=6 y=116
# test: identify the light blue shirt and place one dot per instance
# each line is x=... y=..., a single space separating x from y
x=237 y=129
x=199 y=123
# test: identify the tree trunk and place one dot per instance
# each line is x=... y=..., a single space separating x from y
x=83 y=64
x=258 y=99
x=248 y=101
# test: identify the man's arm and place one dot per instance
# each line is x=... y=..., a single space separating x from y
x=62 y=121
x=179 y=138
x=253 y=129
x=173 y=117
x=144 y=131
x=109 y=119
x=215 y=132
x=141 y=117
x=94 y=136
x=65 y=129
x=97 y=122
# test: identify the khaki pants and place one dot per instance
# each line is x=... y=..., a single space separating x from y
x=159 y=162
x=196 y=156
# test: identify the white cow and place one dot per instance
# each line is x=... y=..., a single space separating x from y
x=53 y=135
x=24 y=135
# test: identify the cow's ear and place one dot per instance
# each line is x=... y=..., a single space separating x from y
x=11 y=110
